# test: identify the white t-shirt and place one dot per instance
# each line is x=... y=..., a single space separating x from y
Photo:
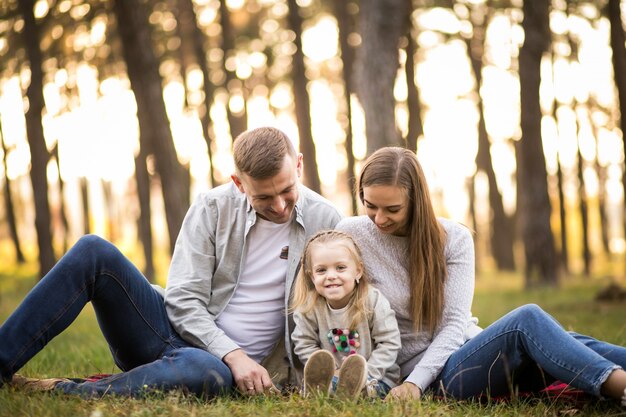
x=254 y=317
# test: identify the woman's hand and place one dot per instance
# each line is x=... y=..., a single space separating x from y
x=405 y=391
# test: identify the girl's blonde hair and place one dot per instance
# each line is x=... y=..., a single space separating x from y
x=305 y=297
x=426 y=237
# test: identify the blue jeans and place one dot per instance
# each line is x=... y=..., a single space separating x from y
x=527 y=349
x=132 y=317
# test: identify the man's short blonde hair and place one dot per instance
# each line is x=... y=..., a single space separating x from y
x=260 y=153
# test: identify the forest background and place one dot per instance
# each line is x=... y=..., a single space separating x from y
x=115 y=114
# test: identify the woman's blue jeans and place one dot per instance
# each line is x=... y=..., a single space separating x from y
x=526 y=350
x=132 y=317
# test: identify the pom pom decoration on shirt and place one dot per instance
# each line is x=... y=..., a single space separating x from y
x=344 y=340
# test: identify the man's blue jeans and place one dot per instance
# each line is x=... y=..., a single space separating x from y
x=131 y=315
x=527 y=349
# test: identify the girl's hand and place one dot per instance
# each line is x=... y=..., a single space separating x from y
x=406 y=391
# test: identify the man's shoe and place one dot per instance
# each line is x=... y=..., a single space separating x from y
x=624 y=399
x=35 y=384
x=318 y=373
x=352 y=377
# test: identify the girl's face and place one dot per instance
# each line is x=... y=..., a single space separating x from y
x=388 y=207
x=334 y=273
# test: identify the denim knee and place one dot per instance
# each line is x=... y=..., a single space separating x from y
x=90 y=245
x=529 y=314
x=200 y=372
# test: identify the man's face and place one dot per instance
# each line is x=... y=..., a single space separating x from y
x=273 y=198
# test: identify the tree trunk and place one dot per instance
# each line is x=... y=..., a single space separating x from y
x=84 y=195
x=109 y=209
x=193 y=38
x=382 y=23
x=62 y=210
x=347 y=57
x=34 y=129
x=416 y=127
x=471 y=195
x=619 y=73
x=237 y=122
x=564 y=255
x=155 y=133
x=583 y=204
x=562 y=213
x=532 y=188
x=501 y=226
x=8 y=203
x=302 y=104
x=144 y=222
x=601 y=172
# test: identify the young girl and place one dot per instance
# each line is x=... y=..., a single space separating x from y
x=428 y=269
x=342 y=322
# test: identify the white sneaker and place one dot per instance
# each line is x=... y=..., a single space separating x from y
x=318 y=373
x=352 y=377
x=371 y=388
x=624 y=399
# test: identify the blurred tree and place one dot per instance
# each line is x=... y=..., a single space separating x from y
x=155 y=133
x=65 y=227
x=34 y=130
x=8 y=202
x=109 y=210
x=501 y=226
x=416 y=127
x=192 y=41
x=583 y=203
x=84 y=197
x=144 y=222
x=533 y=201
x=564 y=253
x=619 y=73
x=345 y=22
x=234 y=86
x=302 y=101
x=381 y=24
x=601 y=172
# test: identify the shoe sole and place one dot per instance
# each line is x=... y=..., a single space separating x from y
x=318 y=373
x=34 y=384
x=352 y=377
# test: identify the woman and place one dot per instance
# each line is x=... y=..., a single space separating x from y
x=425 y=268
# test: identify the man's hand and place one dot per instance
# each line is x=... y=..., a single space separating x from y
x=405 y=391
x=250 y=377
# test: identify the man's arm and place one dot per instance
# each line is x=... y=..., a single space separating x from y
x=190 y=282
x=190 y=287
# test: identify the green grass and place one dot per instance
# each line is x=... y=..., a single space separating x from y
x=81 y=350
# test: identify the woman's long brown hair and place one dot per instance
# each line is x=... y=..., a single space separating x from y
x=426 y=237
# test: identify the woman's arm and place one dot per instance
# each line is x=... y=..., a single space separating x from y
x=458 y=296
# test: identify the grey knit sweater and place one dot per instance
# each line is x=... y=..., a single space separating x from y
x=422 y=355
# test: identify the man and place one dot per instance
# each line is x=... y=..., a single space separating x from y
x=228 y=287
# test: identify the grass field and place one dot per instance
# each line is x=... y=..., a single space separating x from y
x=81 y=350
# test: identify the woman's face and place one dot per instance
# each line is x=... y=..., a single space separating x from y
x=388 y=207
